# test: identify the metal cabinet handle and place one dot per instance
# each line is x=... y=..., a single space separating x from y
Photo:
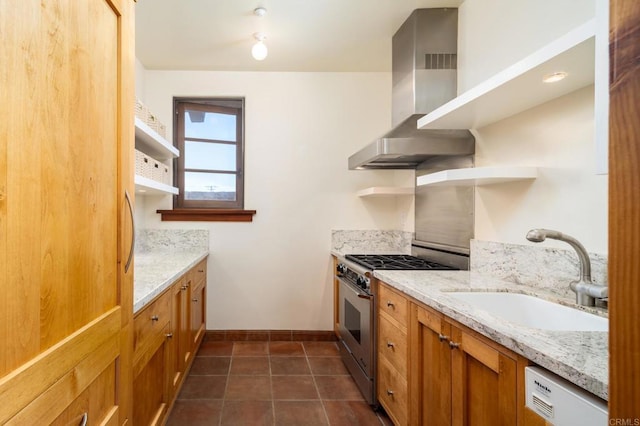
x=194 y=300
x=169 y=335
x=390 y=344
x=442 y=337
x=184 y=287
x=133 y=231
x=83 y=420
x=154 y=318
x=200 y=270
x=390 y=304
x=389 y=392
x=454 y=345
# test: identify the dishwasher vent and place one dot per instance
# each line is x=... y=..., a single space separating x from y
x=543 y=406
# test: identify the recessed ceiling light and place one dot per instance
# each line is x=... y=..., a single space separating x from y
x=554 y=77
x=260 y=11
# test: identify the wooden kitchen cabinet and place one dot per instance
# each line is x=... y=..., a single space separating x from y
x=459 y=377
x=198 y=305
x=430 y=368
x=152 y=356
x=167 y=333
x=393 y=353
x=66 y=180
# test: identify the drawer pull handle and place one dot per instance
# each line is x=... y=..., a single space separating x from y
x=169 y=335
x=200 y=270
x=442 y=337
x=194 y=300
x=389 y=392
x=184 y=287
x=390 y=344
x=390 y=304
x=454 y=345
x=83 y=420
x=154 y=318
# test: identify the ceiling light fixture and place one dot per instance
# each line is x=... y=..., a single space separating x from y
x=259 y=50
x=260 y=11
x=554 y=77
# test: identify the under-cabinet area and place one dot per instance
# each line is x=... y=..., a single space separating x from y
x=167 y=334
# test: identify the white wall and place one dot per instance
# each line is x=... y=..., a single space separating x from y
x=557 y=136
x=567 y=195
x=493 y=34
x=275 y=273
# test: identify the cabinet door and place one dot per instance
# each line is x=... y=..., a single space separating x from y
x=151 y=390
x=430 y=373
x=66 y=129
x=184 y=329
x=176 y=360
x=483 y=383
x=198 y=318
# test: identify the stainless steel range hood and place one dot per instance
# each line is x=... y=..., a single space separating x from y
x=424 y=77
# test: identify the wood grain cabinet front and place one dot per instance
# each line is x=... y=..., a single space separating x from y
x=392 y=353
x=457 y=376
x=151 y=321
x=167 y=334
x=66 y=181
x=434 y=371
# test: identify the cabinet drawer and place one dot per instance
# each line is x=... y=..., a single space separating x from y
x=151 y=320
x=393 y=304
x=392 y=392
x=199 y=273
x=392 y=344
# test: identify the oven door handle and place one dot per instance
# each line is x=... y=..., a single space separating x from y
x=365 y=296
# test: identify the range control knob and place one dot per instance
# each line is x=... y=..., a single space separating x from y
x=361 y=281
x=341 y=268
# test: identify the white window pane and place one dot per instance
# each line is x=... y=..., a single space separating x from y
x=210 y=125
x=210 y=156
x=209 y=186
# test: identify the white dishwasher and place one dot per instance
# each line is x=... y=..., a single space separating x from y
x=562 y=403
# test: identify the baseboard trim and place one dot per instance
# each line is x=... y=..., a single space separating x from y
x=270 y=335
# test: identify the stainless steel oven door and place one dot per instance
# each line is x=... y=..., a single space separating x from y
x=356 y=325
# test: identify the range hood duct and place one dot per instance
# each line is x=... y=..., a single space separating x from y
x=424 y=72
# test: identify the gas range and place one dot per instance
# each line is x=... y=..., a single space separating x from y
x=357 y=311
x=357 y=268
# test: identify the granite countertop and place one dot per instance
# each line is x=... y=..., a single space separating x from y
x=580 y=357
x=155 y=271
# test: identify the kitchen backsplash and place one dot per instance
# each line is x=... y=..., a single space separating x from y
x=548 y=268
x=171 y=239
x=371 y=241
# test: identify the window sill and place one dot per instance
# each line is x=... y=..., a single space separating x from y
x=207 y=215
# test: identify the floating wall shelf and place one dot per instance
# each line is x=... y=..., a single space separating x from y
x=385 y=191
x=152 y=144
x=148 y=186
x=477 y=176
x=520 y=87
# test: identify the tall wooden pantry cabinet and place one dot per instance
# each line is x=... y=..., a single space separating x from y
x=66 y=178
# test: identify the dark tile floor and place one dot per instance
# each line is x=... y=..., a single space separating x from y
x=271 y=383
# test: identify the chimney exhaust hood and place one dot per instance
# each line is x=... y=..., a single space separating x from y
x=424 y=68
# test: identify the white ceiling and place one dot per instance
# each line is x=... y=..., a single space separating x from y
x=302 y=35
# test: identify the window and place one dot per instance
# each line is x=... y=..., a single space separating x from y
x=209 y=172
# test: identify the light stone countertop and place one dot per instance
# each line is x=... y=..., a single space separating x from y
x=155 y=271
x=580 y=357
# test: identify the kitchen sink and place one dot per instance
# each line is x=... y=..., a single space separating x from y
x=533 y=312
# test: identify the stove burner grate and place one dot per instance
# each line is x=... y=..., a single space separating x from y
x=395 y=262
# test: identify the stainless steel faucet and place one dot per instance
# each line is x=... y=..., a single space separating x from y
x=586 y=291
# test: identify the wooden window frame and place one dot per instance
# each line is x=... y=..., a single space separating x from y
x=208 y=210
